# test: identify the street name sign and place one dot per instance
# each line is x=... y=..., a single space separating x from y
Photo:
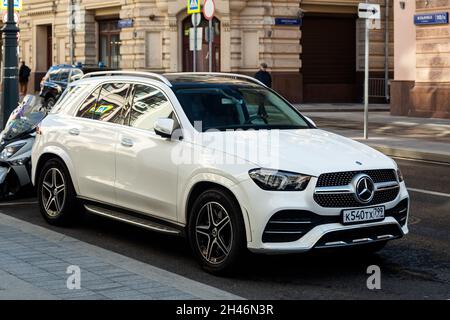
x=431 y=18
x=193 y=6
x=288 y=22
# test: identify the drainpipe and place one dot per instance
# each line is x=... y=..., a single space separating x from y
x=72 y=33
x=386 y=53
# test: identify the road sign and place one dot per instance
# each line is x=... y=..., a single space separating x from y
x=431 y=18
x=196 y=18
x=369 y=11
x=209 y=9
x=16 y=17
x=193 y=38
x=193 y=6
x=17 y=5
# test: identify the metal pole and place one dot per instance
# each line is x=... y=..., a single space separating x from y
x=72 y=34
x=10 y=96
x=195 y=45
x=366 y=84
x=211 y=35
x=386 y=53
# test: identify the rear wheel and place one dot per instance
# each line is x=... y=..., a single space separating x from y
x=56 y=194
x=217 y=232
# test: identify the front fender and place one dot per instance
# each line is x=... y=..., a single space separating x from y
x=222 y=181
x=61 y=153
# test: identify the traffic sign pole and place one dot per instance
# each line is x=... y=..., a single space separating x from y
x=209 y=9
x=366 y=84
x=195 y=49
x=211 y=33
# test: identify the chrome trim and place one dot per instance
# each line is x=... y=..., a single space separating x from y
x=333 y=190
x=219 y=74
x=362 y=240
x=290 y=222
x=336 y=243
x=386 y=185
x=149 y=225
x=385 y=237
x=150 y=75
x=283 y=232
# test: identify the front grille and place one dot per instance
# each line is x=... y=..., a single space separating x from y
x=348 y=200
x=348 y=237
x=292 y=225
x=344 y=178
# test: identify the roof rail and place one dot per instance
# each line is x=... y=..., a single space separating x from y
x=222 y=74
x=150 y=75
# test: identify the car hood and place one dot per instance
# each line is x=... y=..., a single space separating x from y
x=308 y=151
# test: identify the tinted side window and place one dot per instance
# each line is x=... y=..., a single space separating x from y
x=149 y=104
x=67 y=97
x=113 y=103
x=89 y=105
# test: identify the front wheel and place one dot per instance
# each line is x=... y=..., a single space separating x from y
x=217 y=232
x=57 y=198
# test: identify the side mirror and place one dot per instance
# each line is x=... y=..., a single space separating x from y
x=310 y=121
x=164 y=127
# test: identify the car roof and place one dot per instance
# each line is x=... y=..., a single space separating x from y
x=189 y=79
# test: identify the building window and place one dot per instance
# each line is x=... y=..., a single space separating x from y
x=109 y=48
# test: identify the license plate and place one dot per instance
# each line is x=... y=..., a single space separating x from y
x=363 y=215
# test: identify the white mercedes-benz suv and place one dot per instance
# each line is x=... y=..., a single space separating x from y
x=219 y=158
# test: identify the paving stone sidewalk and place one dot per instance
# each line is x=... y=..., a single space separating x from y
x=34 y=262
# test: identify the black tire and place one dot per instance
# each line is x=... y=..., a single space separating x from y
x=218 y=200
x=65 y=209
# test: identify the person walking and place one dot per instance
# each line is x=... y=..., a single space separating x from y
x=24 y=77
x=263 y=75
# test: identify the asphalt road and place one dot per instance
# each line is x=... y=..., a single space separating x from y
x=415 y=267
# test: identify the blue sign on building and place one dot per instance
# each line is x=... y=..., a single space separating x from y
x=126 y=23
x=431 y=18
x=287 y=22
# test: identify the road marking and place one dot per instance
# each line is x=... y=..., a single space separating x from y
x=423 y=161
x=8 y=204
x=433 y=193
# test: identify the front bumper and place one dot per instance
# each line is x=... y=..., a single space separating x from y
x=260 y=206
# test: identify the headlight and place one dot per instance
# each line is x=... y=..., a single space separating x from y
x=275 y=180
x=11 y=150
x=400 y=176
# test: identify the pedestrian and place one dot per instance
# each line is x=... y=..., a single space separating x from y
x=263 y=75
x=24 y=77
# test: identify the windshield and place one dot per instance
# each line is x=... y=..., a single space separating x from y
x=23 y=119
x=232 y=107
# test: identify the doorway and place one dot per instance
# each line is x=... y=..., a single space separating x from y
x=203 y=53
x=109 y=43
x=329 y=58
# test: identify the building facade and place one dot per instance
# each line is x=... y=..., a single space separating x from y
x=314 y=48
x=421 y=86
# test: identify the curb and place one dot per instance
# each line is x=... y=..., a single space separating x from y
x=412 y=154
x=343 y=110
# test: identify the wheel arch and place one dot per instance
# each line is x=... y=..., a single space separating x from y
x=200 y=186
x=54 y=153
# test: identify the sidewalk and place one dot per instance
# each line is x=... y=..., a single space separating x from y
x=407 y=137
x=34 y=261
x=340 y=107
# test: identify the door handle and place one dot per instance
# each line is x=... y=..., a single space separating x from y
x=74 y=132
x=126 y=142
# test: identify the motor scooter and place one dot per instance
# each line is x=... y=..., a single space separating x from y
x=16 y=143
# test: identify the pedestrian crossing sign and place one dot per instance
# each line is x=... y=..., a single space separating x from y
x=193 y=6
x=17 y=5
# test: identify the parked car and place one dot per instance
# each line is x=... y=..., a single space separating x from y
x=128 y=146
x=55 y=82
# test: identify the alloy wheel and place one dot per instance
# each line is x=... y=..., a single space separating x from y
x=214 y=233
x=53 y=192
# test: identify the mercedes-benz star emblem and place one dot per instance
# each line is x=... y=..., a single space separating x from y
x=364 y=188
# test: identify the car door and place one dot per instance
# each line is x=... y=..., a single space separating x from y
x=146 y=176
x=94 y=134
